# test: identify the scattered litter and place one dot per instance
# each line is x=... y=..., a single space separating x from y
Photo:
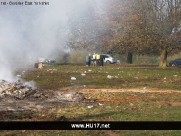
x=144 y=87
x=109 y=76
x=89 y=70
x=83 y=74
x=90 y=106
x=18 y=75
x=116 y=76
x=175 y=75
x=100 y=104
x=165 y=78
x=84 y=85
x=73 y=78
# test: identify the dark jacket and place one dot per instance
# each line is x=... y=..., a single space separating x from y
x=88 y=59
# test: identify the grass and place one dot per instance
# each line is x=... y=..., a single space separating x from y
x=58 y=76
x=127 y=106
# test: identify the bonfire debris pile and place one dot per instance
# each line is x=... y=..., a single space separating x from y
x=18 y=91
x=22 y=91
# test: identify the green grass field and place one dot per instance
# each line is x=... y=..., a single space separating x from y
x=116 y=106
x=55 y=76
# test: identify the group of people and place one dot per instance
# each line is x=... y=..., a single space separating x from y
x=97 y=59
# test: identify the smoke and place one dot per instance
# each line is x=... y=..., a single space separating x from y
x=30 y=84
x=30 y=31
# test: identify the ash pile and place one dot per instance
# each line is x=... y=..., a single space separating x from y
x=19 y=91
x=14 y=91
x=70 y=96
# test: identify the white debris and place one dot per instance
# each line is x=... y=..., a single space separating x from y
x=89 y=70
x=84 y=85
x=18 y=75
x=109 y=76
x=116 y=76
x=144 y=88
x=73 y=78
x=100 y=104
x=175 y=75
x=90 y=106
x=83 y=74
x=165 y=78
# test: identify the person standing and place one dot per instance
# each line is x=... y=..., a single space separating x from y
x=98 y=59
x=102 y=60
x=88 y=60
x=94 y=59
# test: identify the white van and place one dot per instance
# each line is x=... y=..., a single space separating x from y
x=109 y=59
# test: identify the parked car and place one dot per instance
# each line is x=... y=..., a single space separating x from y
x=109 y=59
x=176 y=62
x=46 y=60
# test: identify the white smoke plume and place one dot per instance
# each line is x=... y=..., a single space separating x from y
x=30 y=31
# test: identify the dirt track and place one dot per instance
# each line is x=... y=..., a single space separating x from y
x=141 y=90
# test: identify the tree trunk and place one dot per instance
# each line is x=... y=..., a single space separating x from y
x=130 y=58
x=163 y=59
